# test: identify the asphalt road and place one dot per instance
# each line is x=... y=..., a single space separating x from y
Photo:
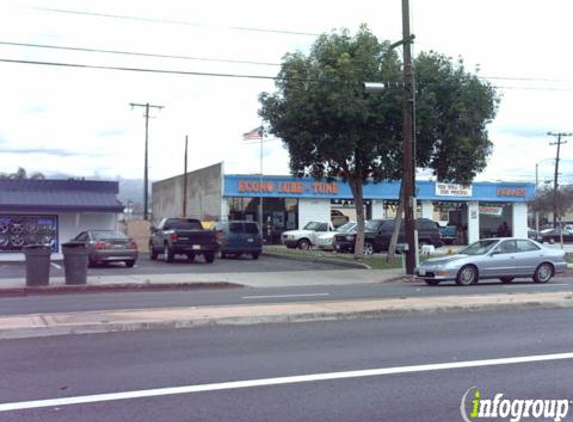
x=145 y=266
x=75 y=366
x=242 y=296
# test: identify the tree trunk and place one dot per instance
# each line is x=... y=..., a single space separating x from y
x=357 y=193
x=396 y=231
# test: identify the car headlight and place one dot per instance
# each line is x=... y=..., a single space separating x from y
x=350 y=238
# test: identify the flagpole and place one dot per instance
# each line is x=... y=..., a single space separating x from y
x=261 y=186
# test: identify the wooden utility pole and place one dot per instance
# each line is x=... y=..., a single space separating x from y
x=408 y=111
x=147 y=106
x=185 y=178
x=558 y=135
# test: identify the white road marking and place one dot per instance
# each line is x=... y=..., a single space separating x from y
x=59 y=267
x=286 y=296
x=509 y=286
x=187 y=389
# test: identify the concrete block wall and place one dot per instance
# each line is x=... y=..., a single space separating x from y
x=204 y=195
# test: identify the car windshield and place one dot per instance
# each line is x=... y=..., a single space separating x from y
x=312 y=226
x=479 y=248
x=104 y=235
x=348 y=227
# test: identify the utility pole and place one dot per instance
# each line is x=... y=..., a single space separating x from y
x=185 y=178
x=147 y=106
x=558 y=135
x=408 y=112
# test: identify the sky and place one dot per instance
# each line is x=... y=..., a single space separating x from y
x=78 y=121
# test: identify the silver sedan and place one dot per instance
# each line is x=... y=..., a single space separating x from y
x=503 y=258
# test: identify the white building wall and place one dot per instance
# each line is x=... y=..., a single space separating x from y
x=224 y=209
x=70 y=224
x=519 y=217
x=378 y=210
x=313 y=210
x=427 y=209
x=473 y=222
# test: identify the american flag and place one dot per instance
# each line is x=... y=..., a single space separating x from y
x=255 y=134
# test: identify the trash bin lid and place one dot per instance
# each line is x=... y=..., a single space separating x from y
x=38 y=246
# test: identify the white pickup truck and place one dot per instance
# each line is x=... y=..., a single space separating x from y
x=307 y=236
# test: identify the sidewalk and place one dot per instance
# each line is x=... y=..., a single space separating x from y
x=25 y=326
x=253 y=279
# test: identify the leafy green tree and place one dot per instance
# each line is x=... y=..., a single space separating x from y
x=547 y=201
x=333 y=128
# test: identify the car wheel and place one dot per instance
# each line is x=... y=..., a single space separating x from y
x=368 y=248
x=209 y=258
x=152 y=253
x=190 y=257
x=467 y=275
x=543 y=273
x=506 y=279
x=431 y=282
x=130 y=263
x=303 y=244
x=168 y=254
x=255 y=256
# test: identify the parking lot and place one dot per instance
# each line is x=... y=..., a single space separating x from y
x=145 y=266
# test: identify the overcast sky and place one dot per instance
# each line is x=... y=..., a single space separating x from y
x=78 y=121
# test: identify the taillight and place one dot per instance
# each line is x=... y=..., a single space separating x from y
x=132 y=245
x=100 y=245
x=174 y=237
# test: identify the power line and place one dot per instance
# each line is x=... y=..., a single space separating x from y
x=133 y=53
x=259 y=63
x=237 y=75
x=173 y=22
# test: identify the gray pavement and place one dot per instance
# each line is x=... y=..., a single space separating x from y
x=76 y=366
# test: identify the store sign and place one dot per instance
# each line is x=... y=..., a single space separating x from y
x=298 y=187
x=18 y=231
x=511 y=192
x=451 y=189
x=491 y=211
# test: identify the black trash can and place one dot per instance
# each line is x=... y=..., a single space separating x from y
x=37 y=265
x=75 y=262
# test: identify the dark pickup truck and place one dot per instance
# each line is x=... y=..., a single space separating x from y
x=182 y=236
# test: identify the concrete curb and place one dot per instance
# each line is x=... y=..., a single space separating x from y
x=27 y=326
x=358 y=265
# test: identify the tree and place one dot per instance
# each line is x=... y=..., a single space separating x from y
x=21 y=175
x=547 y=200
x=333 y=128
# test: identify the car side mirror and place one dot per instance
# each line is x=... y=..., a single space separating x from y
x=495 y=252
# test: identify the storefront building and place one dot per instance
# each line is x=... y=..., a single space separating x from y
x=52 y=212
x=479 y=210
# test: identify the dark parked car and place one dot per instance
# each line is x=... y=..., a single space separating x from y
x=239 y=237
x=377 y=234
x=108 y=246
x=554 y=235
x=182 y=236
